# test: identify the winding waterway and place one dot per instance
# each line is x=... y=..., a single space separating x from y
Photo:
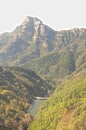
x=34 y=106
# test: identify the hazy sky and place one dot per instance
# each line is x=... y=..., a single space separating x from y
x=58 y=14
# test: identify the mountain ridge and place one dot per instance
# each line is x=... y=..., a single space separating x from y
x=33 y=41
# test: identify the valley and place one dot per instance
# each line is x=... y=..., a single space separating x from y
x=17 y=90
x=39 y=65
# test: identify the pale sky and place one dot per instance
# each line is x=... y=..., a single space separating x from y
x=58 y=14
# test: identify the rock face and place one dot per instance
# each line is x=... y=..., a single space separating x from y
x=33 y=39
x=34 y=32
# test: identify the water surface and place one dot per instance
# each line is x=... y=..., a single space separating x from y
x=34 y=107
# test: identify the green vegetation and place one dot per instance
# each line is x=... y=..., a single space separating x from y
x=53 y=55
x=66 y=108
x=54 y=66
x=17 y=88
x=58 y=64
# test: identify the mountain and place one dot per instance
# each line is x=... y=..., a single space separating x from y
x=68 y=55
x=17 y=88
x=26 y=42
x=33 y=39
x=66 y=108
x=48 y=52
x=57 y=56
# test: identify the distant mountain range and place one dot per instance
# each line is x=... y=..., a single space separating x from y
x=29 y=40
x=33 y=39
x=50 y=53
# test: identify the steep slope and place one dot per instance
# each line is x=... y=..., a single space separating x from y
x=58 y=64
x=33 y=39
x=29 y=40
x=38 y=47
x=19 y=78
x=66 y=108
x=17 y=89
x=54 y=65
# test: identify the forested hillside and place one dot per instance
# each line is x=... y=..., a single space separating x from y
x=17 y=89
x=66 y=108
x=58 y=64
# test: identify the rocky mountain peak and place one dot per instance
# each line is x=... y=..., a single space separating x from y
x=37 y=21
x=27 y=20
x=34 y=39
x=31 y=20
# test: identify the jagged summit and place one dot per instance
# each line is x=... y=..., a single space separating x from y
x=29 y=19
x=26 y=20
x=34 y=39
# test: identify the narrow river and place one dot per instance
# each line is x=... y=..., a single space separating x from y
x=34 y=106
